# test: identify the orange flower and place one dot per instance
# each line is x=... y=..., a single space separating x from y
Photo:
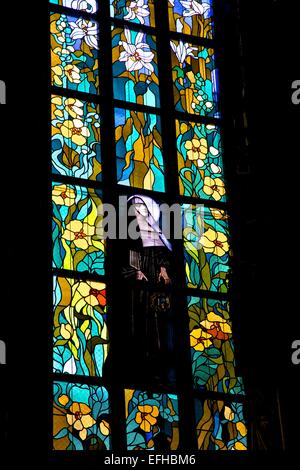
x=217 y=326
x=80 y=418
x=146 y=417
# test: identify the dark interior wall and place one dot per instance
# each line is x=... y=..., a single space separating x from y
x=270 y=38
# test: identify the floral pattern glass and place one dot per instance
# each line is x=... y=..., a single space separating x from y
x=195 y=79
x=74 y=52
x=137 y=11
x=200 y=163
x=76 y=245
x=192 y=17
x=81 y=417
x=206 y=248
x=80 y=331
x=75 y=128
x=220 y=425
x=89 y=6
x=139 y=150
x=135 y=72
x=151 y=418
x=212 y=351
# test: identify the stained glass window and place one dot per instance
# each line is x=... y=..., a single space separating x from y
x=151 y=420
x=76 y=138
x=139 y=11
x=220 y=425
x=80 y=330
x=76 y=245
x=89 y=6
x=212 y=349
x=139 y=150
x=81 y=417
x=151 y=138
x=206 y=248
x=135 y=70
x=195 y=79
x=192 y=17
x=200 y=163
x=74 y=53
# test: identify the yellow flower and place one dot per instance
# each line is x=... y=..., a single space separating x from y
x=217 y=326
x=214 y=242
x=63 y=195
x=74 y=107
x=80 y=418
x=75 y=130
x=214 y=187
x=196 y=149
x=228 y=413
x=66 y=331
x=199 y=339
x=57 y=73
x=80 y=233
x=72 y=73
x=104 y=428
x=146 y=417
x=89 y=293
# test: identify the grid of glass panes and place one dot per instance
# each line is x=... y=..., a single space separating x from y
x=220 y=423
x=81 y=339
x=81 y=419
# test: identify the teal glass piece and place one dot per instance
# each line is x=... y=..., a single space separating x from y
x=200 y=161
x=80 y=343
x=135 y=71
x=89 y=6
x=81 y=417
x=138 y=11
x=195 y=79
x=75 y=138
x=74 y=53
x=212 y=349
x=76 y=245
x=206 y=248
x=220 y=425
x=140 y=161
x=151 y=421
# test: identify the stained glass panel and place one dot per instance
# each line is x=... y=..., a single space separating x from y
x=81 y=417
x=151 y=421
x=200 y=163
x=135 y=72
x=220 y=426
x=206 y=248
x=139 y=150
x=74 y=51
x=75 y=138
x=139 y=11
x=76 y=245
x=89 y=6
x=80 y=330
x=212 y=351
x=194 y=17
x=195 y=79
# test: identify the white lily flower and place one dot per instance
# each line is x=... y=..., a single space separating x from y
x=192 y=7
x=86 y=5
x=85 y=29
x=172 y=2
x=138 y=55
x=137 y=10
x=183 y=50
